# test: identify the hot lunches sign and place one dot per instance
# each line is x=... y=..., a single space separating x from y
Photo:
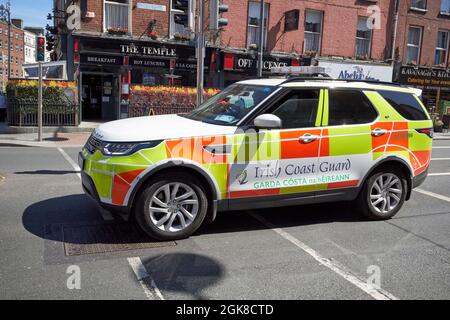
x=355 y=71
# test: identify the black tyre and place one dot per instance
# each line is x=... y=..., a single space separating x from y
x=171 y=207
x=383 y=194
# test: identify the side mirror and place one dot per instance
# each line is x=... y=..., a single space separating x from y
x=267 y=121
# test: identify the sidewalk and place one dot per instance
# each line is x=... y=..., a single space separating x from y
x=50 y=140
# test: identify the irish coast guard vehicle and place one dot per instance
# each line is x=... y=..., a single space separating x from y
x=259 y=144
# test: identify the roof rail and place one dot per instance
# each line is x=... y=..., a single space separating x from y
x=324 y=77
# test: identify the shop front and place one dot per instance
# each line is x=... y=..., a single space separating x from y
x=357 y=70
x=107 y=68
x=435 y=83
x=237 y=66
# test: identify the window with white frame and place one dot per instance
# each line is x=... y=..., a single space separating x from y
x=363 y=38
x=441 y=49
x=414 y=43
x=254 y=23
x=419 y=4
x=445 y=6
x=182 y=18
x=117 y=15
x=313 y=30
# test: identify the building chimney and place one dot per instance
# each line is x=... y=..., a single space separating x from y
x=18 y=23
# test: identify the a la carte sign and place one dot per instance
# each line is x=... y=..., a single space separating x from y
x=358 y=71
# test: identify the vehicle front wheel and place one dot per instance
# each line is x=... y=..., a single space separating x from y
x=383 y=194
x=172 y=207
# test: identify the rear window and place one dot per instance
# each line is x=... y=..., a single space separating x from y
x=405 y=104
x=349 y=107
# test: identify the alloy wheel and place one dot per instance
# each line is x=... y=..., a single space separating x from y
x=173 y=207
x=386 y=193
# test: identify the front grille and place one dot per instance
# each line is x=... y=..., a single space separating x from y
x=94 y=144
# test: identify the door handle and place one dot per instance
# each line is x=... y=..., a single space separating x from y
x=308 y=138
x=379 y=132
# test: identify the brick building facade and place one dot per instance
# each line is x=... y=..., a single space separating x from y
x=17 y=53
x=127 y=40
x=422 y=48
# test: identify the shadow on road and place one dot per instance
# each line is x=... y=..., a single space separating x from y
x=47 y=172
x=48 y=219
x=184 y=274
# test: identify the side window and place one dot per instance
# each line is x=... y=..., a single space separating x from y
x=405 y=104
x=298 y=109
x=348 y=107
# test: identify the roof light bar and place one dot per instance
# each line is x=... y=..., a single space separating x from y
x=302 y=70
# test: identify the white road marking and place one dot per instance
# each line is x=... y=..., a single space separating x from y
x=440 y=159
x=376 y=293
x=434 y=195
x=446 y=147
x=439 y=174
x=71 y=162
x=141 y=273
x=105 y=213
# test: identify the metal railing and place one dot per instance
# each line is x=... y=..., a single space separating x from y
x=142 y=111
x=116 y=15
x=25 y=113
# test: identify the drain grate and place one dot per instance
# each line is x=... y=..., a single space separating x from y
x=103 y=238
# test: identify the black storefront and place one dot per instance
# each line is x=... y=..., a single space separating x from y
x=435 y=83
x=107 y=67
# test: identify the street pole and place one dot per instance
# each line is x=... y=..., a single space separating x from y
x=261 y=40
x=200 y=51
x=40 y=101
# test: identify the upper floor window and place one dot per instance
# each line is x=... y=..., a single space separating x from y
x=363 y=38
x=117 y=15
x=445 y=6
x=182 y=18
x=313 y=30
x=254 y=23
x=441 y=49
x=414 y=43
x=419 y=4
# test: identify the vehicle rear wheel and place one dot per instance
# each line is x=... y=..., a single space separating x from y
x=383 y=194
x=172 y=207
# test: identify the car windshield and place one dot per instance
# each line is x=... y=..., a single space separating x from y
x=231 y=105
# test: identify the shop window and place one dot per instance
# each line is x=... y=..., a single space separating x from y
x=419 y=4
x=254 y=23
x=363 y=38
x=182 y=18
x=414 y=43
x=117 y=15
x=445 y=7
x=441 y=49
x=313 y=31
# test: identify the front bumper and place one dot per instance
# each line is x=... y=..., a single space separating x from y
x=90 y=190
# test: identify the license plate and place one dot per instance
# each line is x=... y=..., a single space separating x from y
x=81 y=161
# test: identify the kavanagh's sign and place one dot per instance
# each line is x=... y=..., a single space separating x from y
x=424 y=77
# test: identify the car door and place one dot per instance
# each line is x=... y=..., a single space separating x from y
x=346 y=150
x=280 y=163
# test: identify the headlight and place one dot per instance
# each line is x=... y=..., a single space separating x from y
x=127 y=148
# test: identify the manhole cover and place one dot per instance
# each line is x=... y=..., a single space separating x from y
x=102 y=238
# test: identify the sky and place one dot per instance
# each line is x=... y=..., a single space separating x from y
x=33 y=12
